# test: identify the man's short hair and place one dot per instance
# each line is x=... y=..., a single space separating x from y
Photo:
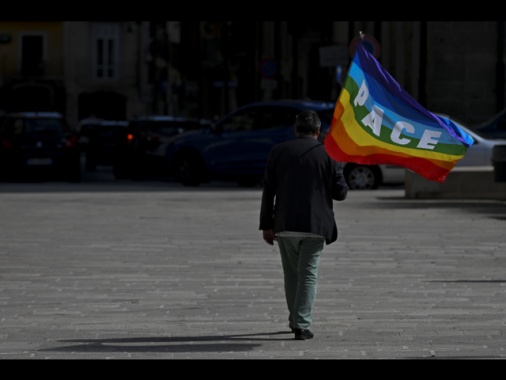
x=307 y=123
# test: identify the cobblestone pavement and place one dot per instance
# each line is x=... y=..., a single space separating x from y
x=154 y=270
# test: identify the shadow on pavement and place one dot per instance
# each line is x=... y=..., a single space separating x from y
x=213 y=343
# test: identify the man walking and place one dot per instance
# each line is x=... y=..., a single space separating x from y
x=300 y=183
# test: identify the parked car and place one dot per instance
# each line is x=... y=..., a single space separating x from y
x=493 y=128
x=40 y=144
x=236 y=147
x=480 y=153
x=99 y=139
x=142 y=152
x=371 y=177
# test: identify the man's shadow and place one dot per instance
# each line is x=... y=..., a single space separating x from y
x=212 y=343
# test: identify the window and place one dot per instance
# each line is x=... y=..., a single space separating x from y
x=276 y=117
x=105 y=51
x=32 y=55
x=240 y=122
x=46 y=126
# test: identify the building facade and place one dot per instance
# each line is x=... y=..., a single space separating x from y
x=119 y=69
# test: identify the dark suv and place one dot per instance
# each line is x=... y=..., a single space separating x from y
x=141 y=153
x=39 y=144
x=237 y=146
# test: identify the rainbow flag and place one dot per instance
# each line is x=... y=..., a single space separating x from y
x=377 y=122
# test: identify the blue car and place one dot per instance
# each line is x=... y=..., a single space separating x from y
x=236 y=147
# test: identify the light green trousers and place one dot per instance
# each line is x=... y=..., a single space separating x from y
x=300 y=257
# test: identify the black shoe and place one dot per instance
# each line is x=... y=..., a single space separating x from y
x=301 y=334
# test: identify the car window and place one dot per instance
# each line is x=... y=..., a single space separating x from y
x=275 y=117
x=135 y=124
x=167 y=128
x=500 y=130
x=87 y=129
x=241 y=121
x=501 y=123
x=42 y=125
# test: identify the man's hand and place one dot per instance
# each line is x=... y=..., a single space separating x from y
x=269 y=236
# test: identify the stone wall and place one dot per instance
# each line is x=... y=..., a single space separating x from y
x=461 y=69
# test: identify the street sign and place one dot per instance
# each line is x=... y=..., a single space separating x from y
x=370 y=44
x=268 y=68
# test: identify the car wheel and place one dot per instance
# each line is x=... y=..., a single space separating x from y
x=362 y=177
x=190 y=170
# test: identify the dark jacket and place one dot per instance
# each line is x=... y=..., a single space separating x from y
x=300 y=183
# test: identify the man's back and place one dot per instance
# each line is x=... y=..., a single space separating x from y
x=303 y=179
x=302 y=168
